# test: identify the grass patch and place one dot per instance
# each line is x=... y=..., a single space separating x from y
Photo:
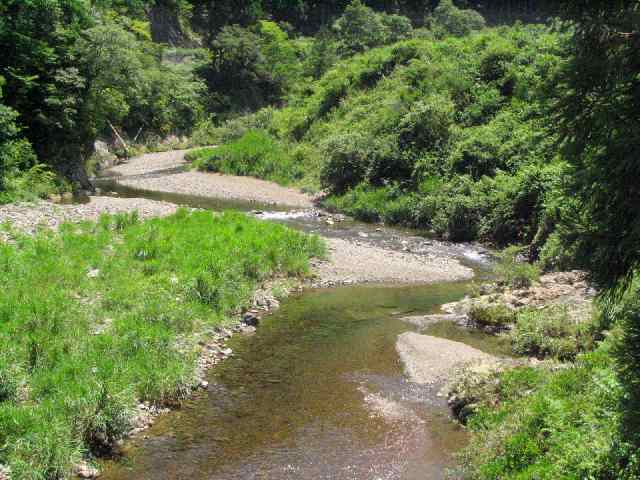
x=551 y=332
x=256 y=154
x=492 y=317
x=101 y=315
x=513 y=271
x=550 y=423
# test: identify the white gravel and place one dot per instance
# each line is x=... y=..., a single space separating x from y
x=351 y=262
x=213 y=185
x=29 y=217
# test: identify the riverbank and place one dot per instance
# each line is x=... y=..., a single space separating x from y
x=84 y=353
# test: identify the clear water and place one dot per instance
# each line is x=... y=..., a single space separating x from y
x=317 y=393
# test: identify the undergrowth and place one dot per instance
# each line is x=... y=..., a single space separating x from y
x=561 y=422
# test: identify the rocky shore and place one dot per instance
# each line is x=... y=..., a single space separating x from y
x=468 y=375
x=31 y=217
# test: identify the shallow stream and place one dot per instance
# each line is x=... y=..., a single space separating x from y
x=318 y=392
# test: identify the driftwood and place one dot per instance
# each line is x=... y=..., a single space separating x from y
x=119 y=137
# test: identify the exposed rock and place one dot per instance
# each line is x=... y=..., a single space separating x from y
x=423 y=321
x=30 y=217
x=562 y=288
x=84 y=470
x=250 y=319
x=429 y=360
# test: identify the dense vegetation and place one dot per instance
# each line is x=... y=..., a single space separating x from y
x=446 y=131
x=422 y=113
x=104 y=315
x=520 y=135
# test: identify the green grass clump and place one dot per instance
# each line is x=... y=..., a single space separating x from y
x=551 y=332
x=256 y=153
x=551 y=423
x=513 y=271
x=492 y=317
x=101 y=315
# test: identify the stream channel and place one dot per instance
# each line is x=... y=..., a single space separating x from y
x=318 y=392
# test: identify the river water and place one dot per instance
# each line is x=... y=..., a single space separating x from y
x=318 y=392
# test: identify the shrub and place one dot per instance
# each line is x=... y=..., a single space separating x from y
x=427 y=126
x=347 y=161
x=514 y=271
x=551 y=332
x=555 y=423
x=492 y=317
x=359 y=28
x=239 y=75
x=449 y=19
x=622 y=309
x=397 y=27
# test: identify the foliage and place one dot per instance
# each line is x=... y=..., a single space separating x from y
x=43 y=83
x=449 y=19
x=21 y=178
x=255 y=153
x=514 y=271
x=82 y=349
x=453 y=131
x=359 y=28
x=551 y=423
x=128 y=88
x=551 y=332
x=250 y=67
x=598 y=111
x=492 y=317
x=621 y=310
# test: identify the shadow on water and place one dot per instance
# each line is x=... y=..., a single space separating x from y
x=317 y=393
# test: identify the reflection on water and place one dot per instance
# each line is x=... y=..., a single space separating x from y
x=317 y=393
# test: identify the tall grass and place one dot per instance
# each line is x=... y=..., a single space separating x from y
x=256 y=153
x=101 y=315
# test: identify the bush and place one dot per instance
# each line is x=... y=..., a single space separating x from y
x=359 y=28
x=492 y=317
x=21 y=177
x=555 y=423
x=514 y=271
x=449 y=19
x=622 y=310
x=397 y=27
x=347 y=161
x=551 y=332
x=240 y=76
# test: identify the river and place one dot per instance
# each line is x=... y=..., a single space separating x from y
x=318 y=392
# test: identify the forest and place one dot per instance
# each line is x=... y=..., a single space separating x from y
x=514 y=123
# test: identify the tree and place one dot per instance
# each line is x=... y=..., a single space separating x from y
x=43 y=83
x=449 y=19
x=599 y=109
x=359 y=28
x=239 y=76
